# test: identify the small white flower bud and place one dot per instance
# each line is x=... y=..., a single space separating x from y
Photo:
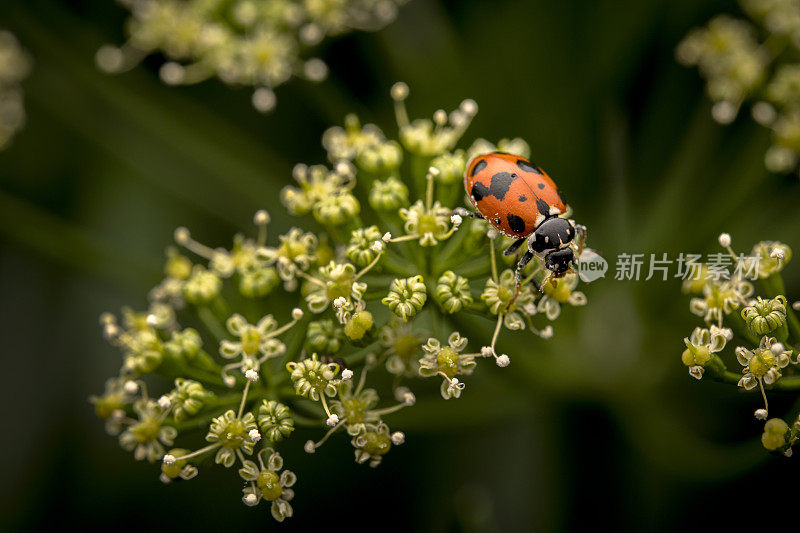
x=469 y=107
x=796 y=306
x=131 y=387
x=456 y=220
x=182 y=235
x=172 y=73
x=254 y=435
x=261 y=217
x=398 y=438
x=724 y=240
x=377 y=246
x=370 y=359
x=486 y=351
x=788 y=453
x=264 y=99
x=386 y=237
x=340 y=302
x=777 y=253
x=440 y=117
x=547 y=332
x=409 y=399
x=777 y=348
x=250 y=499
x=347 y=374
x=168 y=459
x=399 y=91
x=152 y=320
x=724 y=112
x=503 y=361
x=251 y=375
x=761 y=414
x=309 y=446
x=297 y=313
x=332 y=420
x=491 y=233
x=117 y=414
x=164 y=402
x=433 y=171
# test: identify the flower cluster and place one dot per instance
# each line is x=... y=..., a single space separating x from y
x=754 y=61
x=242 y=42
x=757 y=335
x=295 y=331
x=15 y=65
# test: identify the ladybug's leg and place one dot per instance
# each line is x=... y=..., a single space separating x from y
x=511 y=250
x=460 y=211
x=582 y=230
x=521 y=264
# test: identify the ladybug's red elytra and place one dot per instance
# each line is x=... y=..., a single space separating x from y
x=520 y=200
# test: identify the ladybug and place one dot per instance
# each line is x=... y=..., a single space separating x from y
x=520 y=200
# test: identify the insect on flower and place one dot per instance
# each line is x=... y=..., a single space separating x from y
x=520 y=200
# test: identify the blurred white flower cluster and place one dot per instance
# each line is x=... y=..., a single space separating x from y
x=259 y=43
x=15 y=65
x=754 y=62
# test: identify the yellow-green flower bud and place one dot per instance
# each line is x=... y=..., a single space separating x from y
x=452 y=292
x=202 y=287
x=177 y=266
x=388 y=195
x=450 y=167
x=258 y=282
x=765 y=316
x=324 y=337
x=380 y=158
x=358 y=325
x=361 y=249
x=313 y=378
x=184 y=344
x=406 y=297
x=269 y=484
x=275 y=420
x=336 y=209
x=772 y=256
x=174 y=468
x=187 y=398
x=774 y=436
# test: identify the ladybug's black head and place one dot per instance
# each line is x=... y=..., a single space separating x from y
x=559 y=261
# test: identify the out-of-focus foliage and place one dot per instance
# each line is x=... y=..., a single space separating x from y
x=754 y=62
x=15 y=66
x=260 y=43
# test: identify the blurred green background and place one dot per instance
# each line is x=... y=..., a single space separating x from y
x=601 y=427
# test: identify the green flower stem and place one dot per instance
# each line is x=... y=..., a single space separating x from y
x=738 y=325
x=294 y=346
x=212 y=324
x=419 y=172
x=358 y=357
x=718 y=370
x=452 y=253
x=474 y=268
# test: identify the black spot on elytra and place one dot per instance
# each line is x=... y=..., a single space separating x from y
x=541 y=185
x=480 y=165
x=522 y=198
x=543 y=207
x=527 y=166
x=516 y=223
x=479 y=191
x=500 y=184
